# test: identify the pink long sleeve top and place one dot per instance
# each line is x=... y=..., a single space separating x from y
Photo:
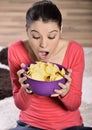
x=49 y=113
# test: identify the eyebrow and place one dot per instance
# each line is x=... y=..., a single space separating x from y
x=34 y=31
x=49 y=32
x=53 y=31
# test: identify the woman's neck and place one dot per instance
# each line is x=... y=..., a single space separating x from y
x=60 y=52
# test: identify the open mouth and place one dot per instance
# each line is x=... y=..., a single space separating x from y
x=43 y=55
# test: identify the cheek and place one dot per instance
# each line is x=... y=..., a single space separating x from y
x=54 y=44
x=52 y=47
x=33 y=46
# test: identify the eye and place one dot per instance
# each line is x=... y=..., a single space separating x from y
x=51 y=37
x=35 y=37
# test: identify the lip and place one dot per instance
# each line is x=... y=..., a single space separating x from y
x=43 y=55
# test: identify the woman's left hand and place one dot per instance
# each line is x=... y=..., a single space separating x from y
x=64 y=87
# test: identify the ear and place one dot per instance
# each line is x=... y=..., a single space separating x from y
x=61 y=28
x=26 y=28
x=61 y=31
x=27 y=31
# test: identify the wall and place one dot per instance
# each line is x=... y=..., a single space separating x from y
x=77 y=20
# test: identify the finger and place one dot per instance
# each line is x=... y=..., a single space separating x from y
x=25 y=86
x=69 y=72
x=63 y=86
x=58 y=92
x=20 y=72
x=68 y=78
x=22 y=65
x=54 y=95
x=28 y=90
x=22 y=79
x=64 y=90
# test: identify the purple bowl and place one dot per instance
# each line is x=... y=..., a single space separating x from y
x=44 y=88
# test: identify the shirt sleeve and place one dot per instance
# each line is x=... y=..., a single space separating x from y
x=19 y=94
x=72 y=100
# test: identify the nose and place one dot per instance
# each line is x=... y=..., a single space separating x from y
x=43 y=43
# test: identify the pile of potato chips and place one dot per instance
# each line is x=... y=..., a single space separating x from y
x=45 y=71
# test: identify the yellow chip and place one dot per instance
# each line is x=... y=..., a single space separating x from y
x=37 y=76
x=62 y=72
x=45 y=71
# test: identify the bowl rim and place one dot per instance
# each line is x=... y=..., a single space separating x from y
x=25 y=68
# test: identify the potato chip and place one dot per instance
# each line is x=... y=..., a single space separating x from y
x=45 y=71
x=62 y=72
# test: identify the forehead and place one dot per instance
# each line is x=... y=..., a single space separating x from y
x=44 y=26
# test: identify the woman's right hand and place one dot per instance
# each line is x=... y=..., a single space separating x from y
x=22 y=79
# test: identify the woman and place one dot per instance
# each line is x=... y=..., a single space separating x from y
x=60 y=110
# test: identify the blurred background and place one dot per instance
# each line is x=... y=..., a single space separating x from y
x=77 y=20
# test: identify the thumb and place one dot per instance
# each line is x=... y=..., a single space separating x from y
x=23 y=65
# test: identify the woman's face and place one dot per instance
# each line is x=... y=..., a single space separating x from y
x=44 y=39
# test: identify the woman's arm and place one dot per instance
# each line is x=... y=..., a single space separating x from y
x=70 y=93
x=21 y=98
